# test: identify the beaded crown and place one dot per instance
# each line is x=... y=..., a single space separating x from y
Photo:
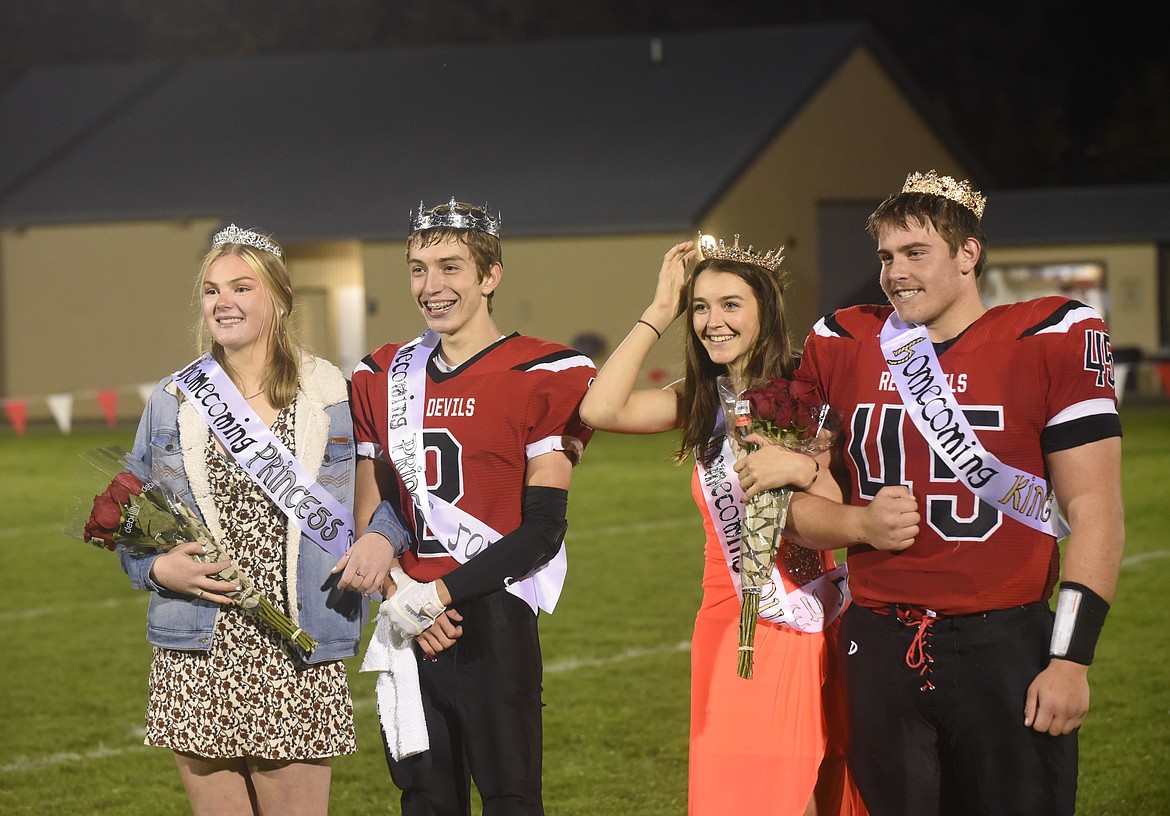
x=770 y=260
x=958 y=191
x=455 y=215
x=232 y=234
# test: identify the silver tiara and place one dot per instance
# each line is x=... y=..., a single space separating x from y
x=455 y=215
x=232 y=234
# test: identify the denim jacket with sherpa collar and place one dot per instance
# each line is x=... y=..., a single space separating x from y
x=170 y=448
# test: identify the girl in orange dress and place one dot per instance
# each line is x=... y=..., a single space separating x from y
x=773 y=744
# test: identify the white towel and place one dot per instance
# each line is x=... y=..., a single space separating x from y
x=399 y=698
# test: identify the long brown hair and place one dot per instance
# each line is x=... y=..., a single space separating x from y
x=771 y=356
x=281 y=369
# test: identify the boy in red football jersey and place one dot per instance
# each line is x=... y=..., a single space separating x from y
x=967 y=432
x=471 y=436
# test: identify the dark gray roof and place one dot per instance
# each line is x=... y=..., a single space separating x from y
x=564 y=136
x=1078 y=215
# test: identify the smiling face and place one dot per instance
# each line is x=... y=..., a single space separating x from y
x=450 y=290
x=725 y=317
x=926 y=283
x=237 y=308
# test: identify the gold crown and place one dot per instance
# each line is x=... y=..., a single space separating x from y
x=709 y=249
x=959 y=192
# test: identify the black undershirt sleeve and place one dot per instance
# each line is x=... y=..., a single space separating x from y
x=531 y=545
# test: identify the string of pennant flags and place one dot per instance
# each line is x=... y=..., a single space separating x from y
x=61 y=406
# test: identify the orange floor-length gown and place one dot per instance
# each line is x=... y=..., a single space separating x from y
x=757 y=745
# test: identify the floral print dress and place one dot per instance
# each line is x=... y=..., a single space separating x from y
x=249 y=695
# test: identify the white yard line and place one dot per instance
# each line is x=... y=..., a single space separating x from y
x=72 y=609
x=35 y=764
x=1139 y=559
x=36 y=529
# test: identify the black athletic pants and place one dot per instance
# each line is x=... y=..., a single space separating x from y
x=483 y=711
x=946 y=737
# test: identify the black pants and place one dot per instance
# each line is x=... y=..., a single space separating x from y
x=947 y=737
x=483 y=711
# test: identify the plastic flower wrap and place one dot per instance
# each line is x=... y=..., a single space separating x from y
x=148 y=517
x=789 y=412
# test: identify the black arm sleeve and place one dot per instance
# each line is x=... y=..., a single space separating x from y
x=529 y=546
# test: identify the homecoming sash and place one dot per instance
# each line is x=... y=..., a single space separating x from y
x=931 y=405
x=317 y=514
x=461 y=534
x=809 y=608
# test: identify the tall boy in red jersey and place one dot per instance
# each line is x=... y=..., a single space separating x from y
x=471 y=436
x=968 y=432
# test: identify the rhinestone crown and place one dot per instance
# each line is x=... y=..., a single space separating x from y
x=770 y=260
x=232 y=234
x=455 y=215
x=958 y=191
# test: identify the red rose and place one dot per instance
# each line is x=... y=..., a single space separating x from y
x=107 y=513
x=785 y=414
x=95 y=534
x=804 y=392
x=807 y=418
x=104 y=520
x=125 y=485
x=763 y=403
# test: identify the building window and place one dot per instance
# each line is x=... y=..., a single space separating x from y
x=1080 y=281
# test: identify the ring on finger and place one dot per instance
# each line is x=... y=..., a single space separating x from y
x=199 y=593
x=360 y=574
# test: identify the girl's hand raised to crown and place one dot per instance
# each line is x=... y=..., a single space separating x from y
x=667 y=303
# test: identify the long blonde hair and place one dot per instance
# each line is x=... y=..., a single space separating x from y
x=281 y=369
x=770 y=356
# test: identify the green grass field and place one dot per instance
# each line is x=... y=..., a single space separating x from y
x=73 y=674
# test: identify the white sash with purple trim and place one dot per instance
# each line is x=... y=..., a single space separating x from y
x=808 y=608
x=461 y=534
x=268 y=462
x=931 y=405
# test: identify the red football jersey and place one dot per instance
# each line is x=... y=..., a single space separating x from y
x=482 y=422
x=1032 y=377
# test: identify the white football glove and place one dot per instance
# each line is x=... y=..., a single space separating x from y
x=413 y=606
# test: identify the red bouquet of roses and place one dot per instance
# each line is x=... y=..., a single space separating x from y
x=105 y=520
x=147 y=517
x=789 y=412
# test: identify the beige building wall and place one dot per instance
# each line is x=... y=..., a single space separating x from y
x=330 y=300
x=112 y=306
x=554 y=288
x=94 y=306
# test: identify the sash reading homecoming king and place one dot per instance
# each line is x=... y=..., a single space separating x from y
x=931 y=405
x=462 y=534
x=268 y=461
x=808 y=608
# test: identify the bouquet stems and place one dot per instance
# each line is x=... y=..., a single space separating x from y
x=284 y=625
x=251 y=600
x=748 y=613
